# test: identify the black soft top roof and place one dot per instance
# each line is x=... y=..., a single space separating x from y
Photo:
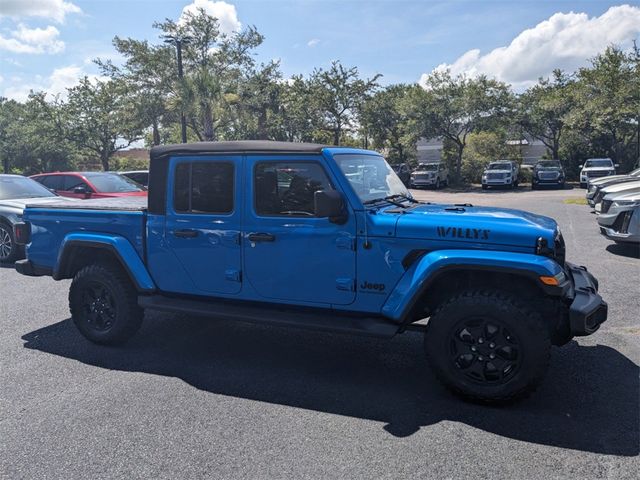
x=240 y=146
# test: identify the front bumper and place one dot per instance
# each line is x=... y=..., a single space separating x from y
x=422 y=182
x=587 y=310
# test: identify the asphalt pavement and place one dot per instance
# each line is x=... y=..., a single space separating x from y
x=196 y=398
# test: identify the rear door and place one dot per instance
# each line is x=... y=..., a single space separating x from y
x=203 y=224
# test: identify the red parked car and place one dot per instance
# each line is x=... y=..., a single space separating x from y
x=90 y=184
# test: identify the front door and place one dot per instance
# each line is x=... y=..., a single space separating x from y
x=203 y=224
x=289 y=253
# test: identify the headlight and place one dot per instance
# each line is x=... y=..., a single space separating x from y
x=626 y=203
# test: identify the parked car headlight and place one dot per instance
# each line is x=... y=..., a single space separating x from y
x=626 y=203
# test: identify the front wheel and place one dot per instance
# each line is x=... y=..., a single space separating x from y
x=437 y=186
x=487 y=347
x=9 y=250
x=104 y=304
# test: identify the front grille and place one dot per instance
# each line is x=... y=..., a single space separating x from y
x=597 y=198
x=560 y=249
x=606 y=205
x=597 y=173
x=421 y=176
x=495 y=176
x=548 y=175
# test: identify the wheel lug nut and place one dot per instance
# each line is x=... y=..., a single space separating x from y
x=481 y=359
x=492 y=356
x=481 y=340
x=473 y=349
x=492 y=345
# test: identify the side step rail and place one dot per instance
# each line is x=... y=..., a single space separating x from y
x=323 y=320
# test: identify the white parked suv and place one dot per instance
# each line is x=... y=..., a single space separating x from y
x=596 y=167
x=503 y=173
x=434 y=175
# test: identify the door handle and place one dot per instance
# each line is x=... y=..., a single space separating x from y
x=261 y=237
x=186 y=233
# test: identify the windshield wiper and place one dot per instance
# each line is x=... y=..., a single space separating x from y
x=400 y=195
x=390 y=199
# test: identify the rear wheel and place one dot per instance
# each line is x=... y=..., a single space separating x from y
x=104 y=304
x=9 y=251
x=487 y=347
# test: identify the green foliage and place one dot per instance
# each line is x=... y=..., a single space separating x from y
x=123 y=163
x=482 y=148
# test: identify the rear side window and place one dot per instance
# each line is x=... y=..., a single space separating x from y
x=287 y=189
x=204 y=187
x=54 y=182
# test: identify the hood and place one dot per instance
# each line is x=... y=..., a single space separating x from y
x=598 y=169
x=628 y=196
x=620 y=187
x=480 y=226
x=611 y=179
x=498 y=170
x=21 y=203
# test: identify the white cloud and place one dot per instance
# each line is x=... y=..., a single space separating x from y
x=566 y=41
x=223 y=11
x=313 y=42
x=33 y=40
x=52 y=9
x=55 y=84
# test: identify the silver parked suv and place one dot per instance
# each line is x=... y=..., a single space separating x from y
x=619 y=219
x=434 y=175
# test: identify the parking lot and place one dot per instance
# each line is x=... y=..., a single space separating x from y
x=196 y=398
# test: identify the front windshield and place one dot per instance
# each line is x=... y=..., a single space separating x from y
x=371 y=176
x=113 y=183
x=429 y=167
x=22 y=187
x=548 y=166
x=499 y=166
x=598 y=163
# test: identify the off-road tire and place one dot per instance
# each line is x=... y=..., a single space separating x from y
x=533 y=186
x=437 y=185
x=10 y=251
x=484 y=187
x=521 y=330
x=110 y=321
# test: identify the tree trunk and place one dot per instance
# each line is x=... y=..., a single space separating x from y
x=262 y=125
x=104 y=159
x=156 y=132
x=459 y=161
x=207 y=124
x=336 y=136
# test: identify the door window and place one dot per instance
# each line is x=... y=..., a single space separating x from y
x=204 y=187
x=54 y=182
x=287 y=188
x=71 y=182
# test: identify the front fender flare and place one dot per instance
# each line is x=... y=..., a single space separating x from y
x=423 y=272
x=116 y=244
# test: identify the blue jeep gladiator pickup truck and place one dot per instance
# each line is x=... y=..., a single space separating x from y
x=325 y=238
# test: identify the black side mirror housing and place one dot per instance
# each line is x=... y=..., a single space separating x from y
x=330 y=204
x=82 y=190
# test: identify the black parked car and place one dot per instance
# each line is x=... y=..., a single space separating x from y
x=548 y=172
x=16 y=192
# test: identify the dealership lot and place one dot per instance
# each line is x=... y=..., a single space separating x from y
x=195 y=398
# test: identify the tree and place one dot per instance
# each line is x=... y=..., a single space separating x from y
x=213 y=67
x=453 y=107
x=148 y=73
x=387 y=119
x=101 y=121
x=338 y=95
x=607 y=104
x=543 y=109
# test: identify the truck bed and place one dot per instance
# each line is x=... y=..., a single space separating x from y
x=127 y=204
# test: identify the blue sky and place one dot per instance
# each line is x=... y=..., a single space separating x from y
x=48 y=44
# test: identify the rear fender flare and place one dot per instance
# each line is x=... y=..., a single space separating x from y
x=119 y=246
x=425 y=271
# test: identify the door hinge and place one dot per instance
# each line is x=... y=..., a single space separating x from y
x=233 y=275
x=346 y=284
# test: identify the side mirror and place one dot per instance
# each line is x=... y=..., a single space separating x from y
x=580 y=166
x=617 y=165
x=329 y=204
x=82 y=190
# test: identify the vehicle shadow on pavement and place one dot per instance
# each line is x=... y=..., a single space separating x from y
x=589 y=400
x=631 y=250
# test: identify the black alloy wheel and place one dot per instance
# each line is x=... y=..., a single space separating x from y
x=484 y=351
x=99 y=308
